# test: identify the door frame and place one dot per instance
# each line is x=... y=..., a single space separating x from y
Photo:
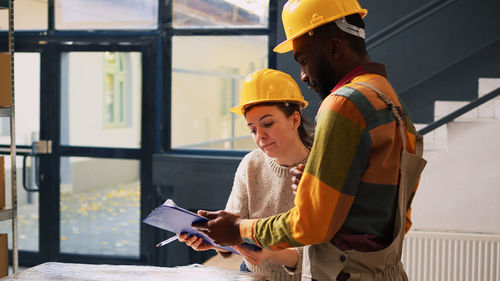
x=51 y=46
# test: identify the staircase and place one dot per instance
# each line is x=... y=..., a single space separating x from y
x=460 y=187
x=456 y=227
x=488 y=112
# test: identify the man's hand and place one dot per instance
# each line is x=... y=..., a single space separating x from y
x=296 y=175
x=223 y=227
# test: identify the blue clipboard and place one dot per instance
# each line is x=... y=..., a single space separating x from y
x=175 y=219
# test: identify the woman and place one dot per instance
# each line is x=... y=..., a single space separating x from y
x=271 y=103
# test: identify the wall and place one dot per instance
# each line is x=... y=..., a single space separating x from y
x=458 y=191
x=193 y=183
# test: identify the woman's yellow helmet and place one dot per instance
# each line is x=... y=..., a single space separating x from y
x=269 y=85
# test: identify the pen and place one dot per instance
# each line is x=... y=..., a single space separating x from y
x=165 y=242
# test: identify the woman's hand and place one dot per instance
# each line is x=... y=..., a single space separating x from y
x=253 y=257
x=296 y=175
x=195 y=242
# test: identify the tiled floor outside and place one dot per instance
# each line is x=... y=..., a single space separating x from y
x=102 y=221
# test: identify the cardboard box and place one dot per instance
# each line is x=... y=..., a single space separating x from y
x=2 y=182
x=5 y=81
x=4 y=255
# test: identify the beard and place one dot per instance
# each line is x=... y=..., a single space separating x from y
x=326 y=79
x=324 y=92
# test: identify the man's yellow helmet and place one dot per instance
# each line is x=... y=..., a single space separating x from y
x=302 y=16
x=269 y=85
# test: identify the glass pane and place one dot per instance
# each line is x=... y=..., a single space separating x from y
x=220 y=13
x=27 y=91
x=27 y=206
x=101 y=99
x=28 y=14
x=207 y=78
x=100 y=206
x=106 y=14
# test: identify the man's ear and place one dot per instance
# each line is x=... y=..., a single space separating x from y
x=335 y=48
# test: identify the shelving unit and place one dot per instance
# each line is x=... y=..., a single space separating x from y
x=11 y=213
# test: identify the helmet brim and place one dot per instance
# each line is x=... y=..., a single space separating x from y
x=241 y=108
x=284 y=47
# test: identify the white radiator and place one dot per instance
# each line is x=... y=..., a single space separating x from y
x=434 y=256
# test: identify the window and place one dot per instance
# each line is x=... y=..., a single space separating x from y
x=106 y=14
x=206 y=82
x=116 y=113
x=104 y=80
x=220 y=13
x=215 y=44
x=27 y=91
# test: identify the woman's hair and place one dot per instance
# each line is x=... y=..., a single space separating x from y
x=288 y=108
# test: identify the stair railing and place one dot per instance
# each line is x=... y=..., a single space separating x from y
x=459 y=112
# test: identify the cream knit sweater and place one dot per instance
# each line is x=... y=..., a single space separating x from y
x=262 y=188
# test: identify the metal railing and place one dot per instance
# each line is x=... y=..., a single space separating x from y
x=459 y=112
x=217 y=141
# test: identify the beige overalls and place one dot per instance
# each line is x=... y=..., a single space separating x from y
x=325 y=261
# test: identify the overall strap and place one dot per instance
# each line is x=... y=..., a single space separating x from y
x=394 y=110
x=403 y=194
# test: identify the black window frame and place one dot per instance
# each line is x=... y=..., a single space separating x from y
x=156 y=110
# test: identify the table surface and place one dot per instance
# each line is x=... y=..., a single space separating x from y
x=54 y=271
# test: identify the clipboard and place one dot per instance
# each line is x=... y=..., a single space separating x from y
x=173 y=218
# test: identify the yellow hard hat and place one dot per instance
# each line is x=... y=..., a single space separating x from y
x=301 y=16
x=269 y=85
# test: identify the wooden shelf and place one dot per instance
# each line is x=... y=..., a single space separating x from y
x=11 y=213
x=5 y=214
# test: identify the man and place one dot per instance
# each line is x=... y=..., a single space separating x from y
x=356 y=187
